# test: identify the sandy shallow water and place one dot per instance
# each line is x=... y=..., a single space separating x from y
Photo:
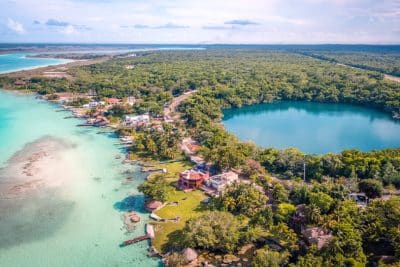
x=63 y=191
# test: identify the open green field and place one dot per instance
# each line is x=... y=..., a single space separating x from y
x=189 y=205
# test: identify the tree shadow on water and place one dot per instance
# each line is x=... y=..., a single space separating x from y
x=130 y=203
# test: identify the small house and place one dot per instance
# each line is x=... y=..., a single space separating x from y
x=191 y=179
x=19 y=82
x=220 y=181
x=136 y=120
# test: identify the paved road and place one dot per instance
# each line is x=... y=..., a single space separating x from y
x=175 y=103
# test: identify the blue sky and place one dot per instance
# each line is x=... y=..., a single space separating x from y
x=201 y=22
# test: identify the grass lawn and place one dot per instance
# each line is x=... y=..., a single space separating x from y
x=189 y=204
x=173 y=169
x=188 y=208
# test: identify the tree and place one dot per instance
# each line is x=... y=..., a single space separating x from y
x=300 y=194
x=241 y=198
x=313 y=214
x=322 y=201
x=270 y=258
x=311 y=259
x=214 y=231
x=252 y=169
x=158 y=144
x=345 y=246
x=371 y=187
x=175 y=260
x=285 y=237
x=381 y=232
x=226 y=156
x=157 y=188
x=263 y=218
x=284 y=212
x=390 y=175
x=346 y=211
x=279 y=193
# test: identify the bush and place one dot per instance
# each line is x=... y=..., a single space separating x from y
x=372 y=188
x=322 y=201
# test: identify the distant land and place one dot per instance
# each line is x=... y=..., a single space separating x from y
x=51 y=47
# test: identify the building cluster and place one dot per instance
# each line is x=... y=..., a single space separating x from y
x=95 y=111
x=199 y=177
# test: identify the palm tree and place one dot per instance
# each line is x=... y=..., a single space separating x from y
x=313 y=214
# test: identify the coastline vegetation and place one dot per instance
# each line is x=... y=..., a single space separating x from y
x=281 y=219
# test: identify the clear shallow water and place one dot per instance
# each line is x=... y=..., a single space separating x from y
x=90 y=232
x=16 y=62
x=314 y=127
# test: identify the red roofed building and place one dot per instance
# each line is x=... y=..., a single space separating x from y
x=113 y=101
x=19 y=82
x=191 y=179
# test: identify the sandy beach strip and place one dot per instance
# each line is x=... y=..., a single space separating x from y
x=49 y=71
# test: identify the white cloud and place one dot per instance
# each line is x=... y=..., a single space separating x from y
x=15 y=26
x=292 y=21
x=69 y=30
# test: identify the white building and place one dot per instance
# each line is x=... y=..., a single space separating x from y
x=93 y=104
x=137 y=120
x=220 y=181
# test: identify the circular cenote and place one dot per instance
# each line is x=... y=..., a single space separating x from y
x=314 y=128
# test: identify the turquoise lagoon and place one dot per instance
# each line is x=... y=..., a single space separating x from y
x=83 y=225
x=16 y=62
x=314 y=127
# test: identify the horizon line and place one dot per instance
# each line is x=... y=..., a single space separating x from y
x=193 y=44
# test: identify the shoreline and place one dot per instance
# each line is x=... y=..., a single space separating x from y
x=39 y=184
x=42 y=71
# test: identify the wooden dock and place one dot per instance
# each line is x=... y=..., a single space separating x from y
x=135 y=240
x=149 y=235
